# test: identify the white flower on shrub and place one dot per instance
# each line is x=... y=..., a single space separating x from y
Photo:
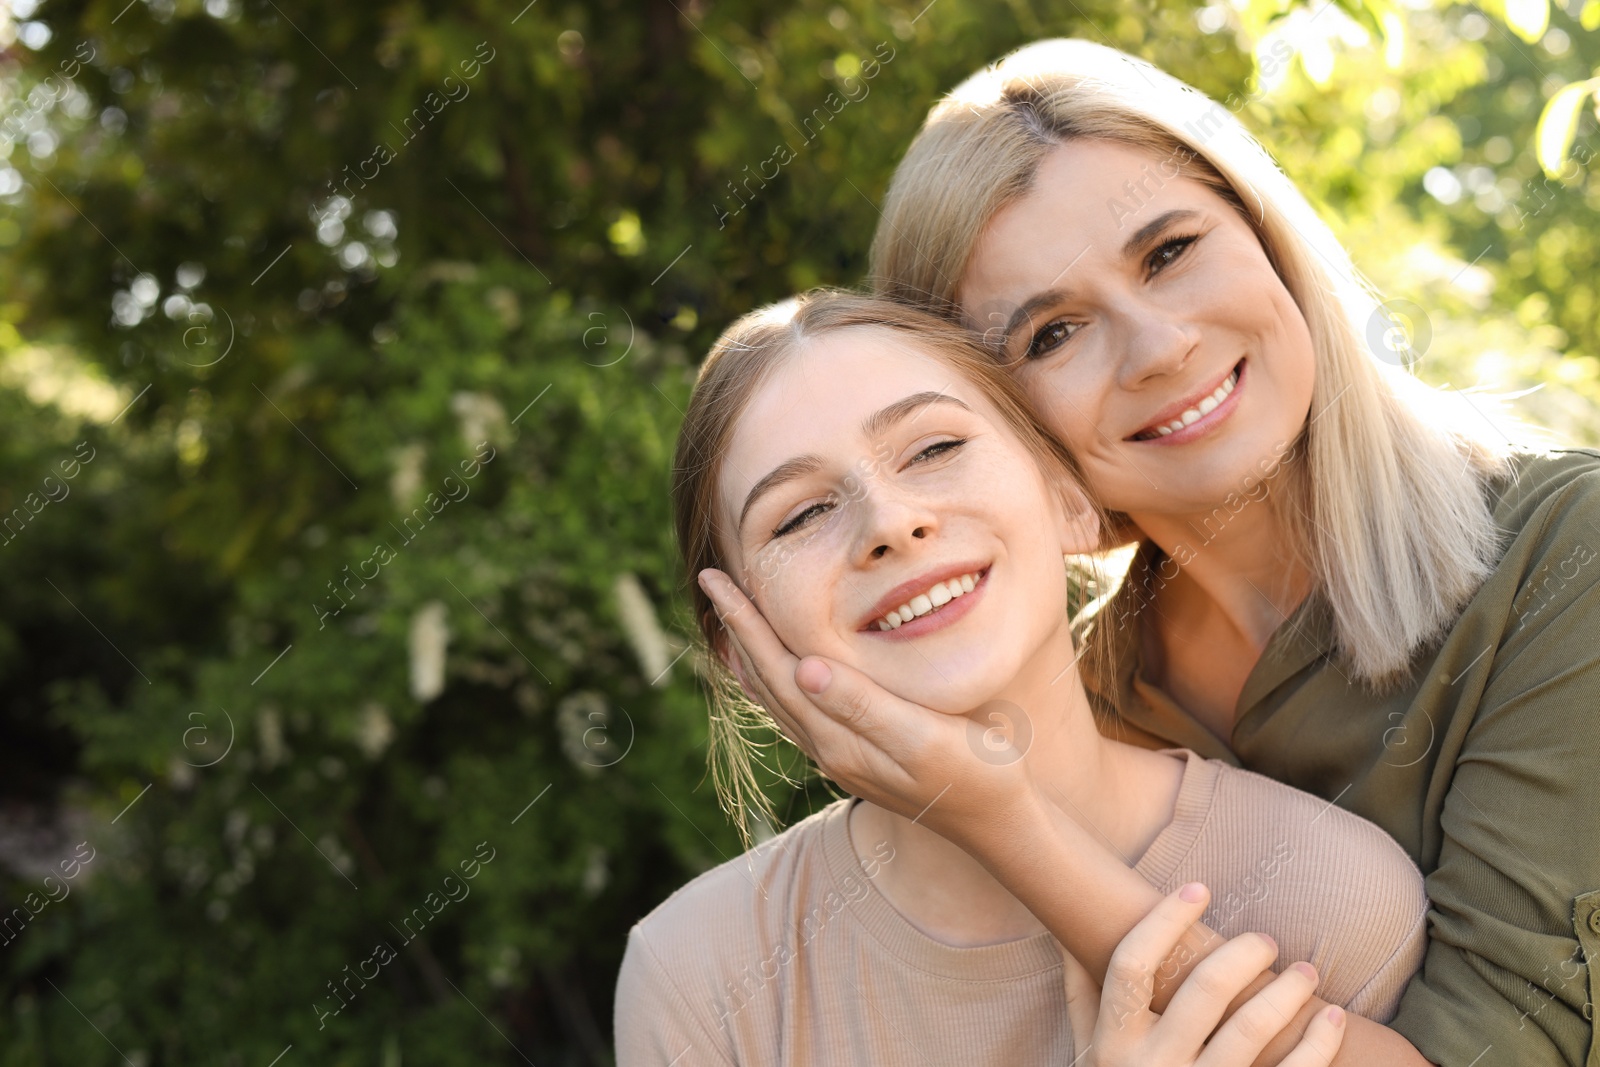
x=429 y=637
x=406 y=478
x=269 y=732
x=655 y=647
x=595 y=873
x=583 y=720
x=482 y=417
x=374 y=731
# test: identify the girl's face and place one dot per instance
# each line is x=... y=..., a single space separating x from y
x=1148 y=326
x=867 y=478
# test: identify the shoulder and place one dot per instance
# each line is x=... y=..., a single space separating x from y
x=733 y=914
x=1331 y=887
x=1536 y=482
x=1548 y=507
x=1311 y=827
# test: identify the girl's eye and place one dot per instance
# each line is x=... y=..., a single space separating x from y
x=800 y=520
x=938 y=449
x=1170 y=250
x=1050 y=338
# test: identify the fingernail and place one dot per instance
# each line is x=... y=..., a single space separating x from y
x=1306 y=969
x=1268 y=939
x=1194 y=893
x=813 y=676
x=1335 y=1015
x=708 y=583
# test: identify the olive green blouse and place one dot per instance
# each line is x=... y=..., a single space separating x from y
x=1484 y=765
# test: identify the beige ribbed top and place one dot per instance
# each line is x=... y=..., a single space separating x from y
x=789 y=954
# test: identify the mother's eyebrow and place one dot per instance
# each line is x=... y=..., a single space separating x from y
x=873 y=425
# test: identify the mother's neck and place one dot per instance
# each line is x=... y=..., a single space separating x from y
x=1235 y=569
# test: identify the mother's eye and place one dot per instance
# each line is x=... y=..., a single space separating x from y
x=1050 y=338
x=1169 y=251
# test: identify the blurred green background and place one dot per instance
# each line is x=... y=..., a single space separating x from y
x=342 y=350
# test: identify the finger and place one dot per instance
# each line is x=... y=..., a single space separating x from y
x=769 y=659
x=1261 y=1018
x=1130 y=976
x=1216 y=982
x=894 y=726
x=791 y=726
x=1322 y=1040
x=1083 y=1001
x=768 y=666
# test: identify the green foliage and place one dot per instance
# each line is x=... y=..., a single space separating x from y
x=277 y=340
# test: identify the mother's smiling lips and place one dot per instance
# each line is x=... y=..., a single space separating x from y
x=1194 y=416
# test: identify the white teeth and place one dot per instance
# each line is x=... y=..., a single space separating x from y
x=940 y=594
x=1205 y=407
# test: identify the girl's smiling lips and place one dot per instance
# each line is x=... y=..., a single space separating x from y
x=1161 y=429
x=939 y=617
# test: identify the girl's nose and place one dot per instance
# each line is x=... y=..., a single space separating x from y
x=892 y=522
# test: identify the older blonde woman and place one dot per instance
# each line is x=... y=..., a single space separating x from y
x=1344 y=579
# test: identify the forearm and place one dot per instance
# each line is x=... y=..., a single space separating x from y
x=1082 y=892
x=1090 y=899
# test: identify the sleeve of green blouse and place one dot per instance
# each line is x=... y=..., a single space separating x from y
x=1507 y=978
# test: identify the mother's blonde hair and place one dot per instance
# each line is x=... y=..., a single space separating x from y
x=1389 y=509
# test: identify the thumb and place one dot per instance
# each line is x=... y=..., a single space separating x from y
x=1083 y=1002
x=855 y=701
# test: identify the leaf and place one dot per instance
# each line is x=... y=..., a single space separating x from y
x=1529 y=18
x=1589 y=17
x=1373 y=16
x=1559 y=124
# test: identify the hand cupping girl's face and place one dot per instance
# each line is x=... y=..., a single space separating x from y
x=878 y=510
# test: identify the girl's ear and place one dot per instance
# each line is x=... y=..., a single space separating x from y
x=730 y=659
x=1080 y=522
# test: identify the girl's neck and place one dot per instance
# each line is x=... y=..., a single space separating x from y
x=1122 y=795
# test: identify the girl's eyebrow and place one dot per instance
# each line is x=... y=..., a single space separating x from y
x=871 y=426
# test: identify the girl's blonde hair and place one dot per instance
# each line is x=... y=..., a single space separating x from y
x=1389 y=509
x=739 y=363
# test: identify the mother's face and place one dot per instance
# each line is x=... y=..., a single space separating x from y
x=1148 y=326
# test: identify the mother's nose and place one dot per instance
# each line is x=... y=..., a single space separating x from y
x=1152 y=343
